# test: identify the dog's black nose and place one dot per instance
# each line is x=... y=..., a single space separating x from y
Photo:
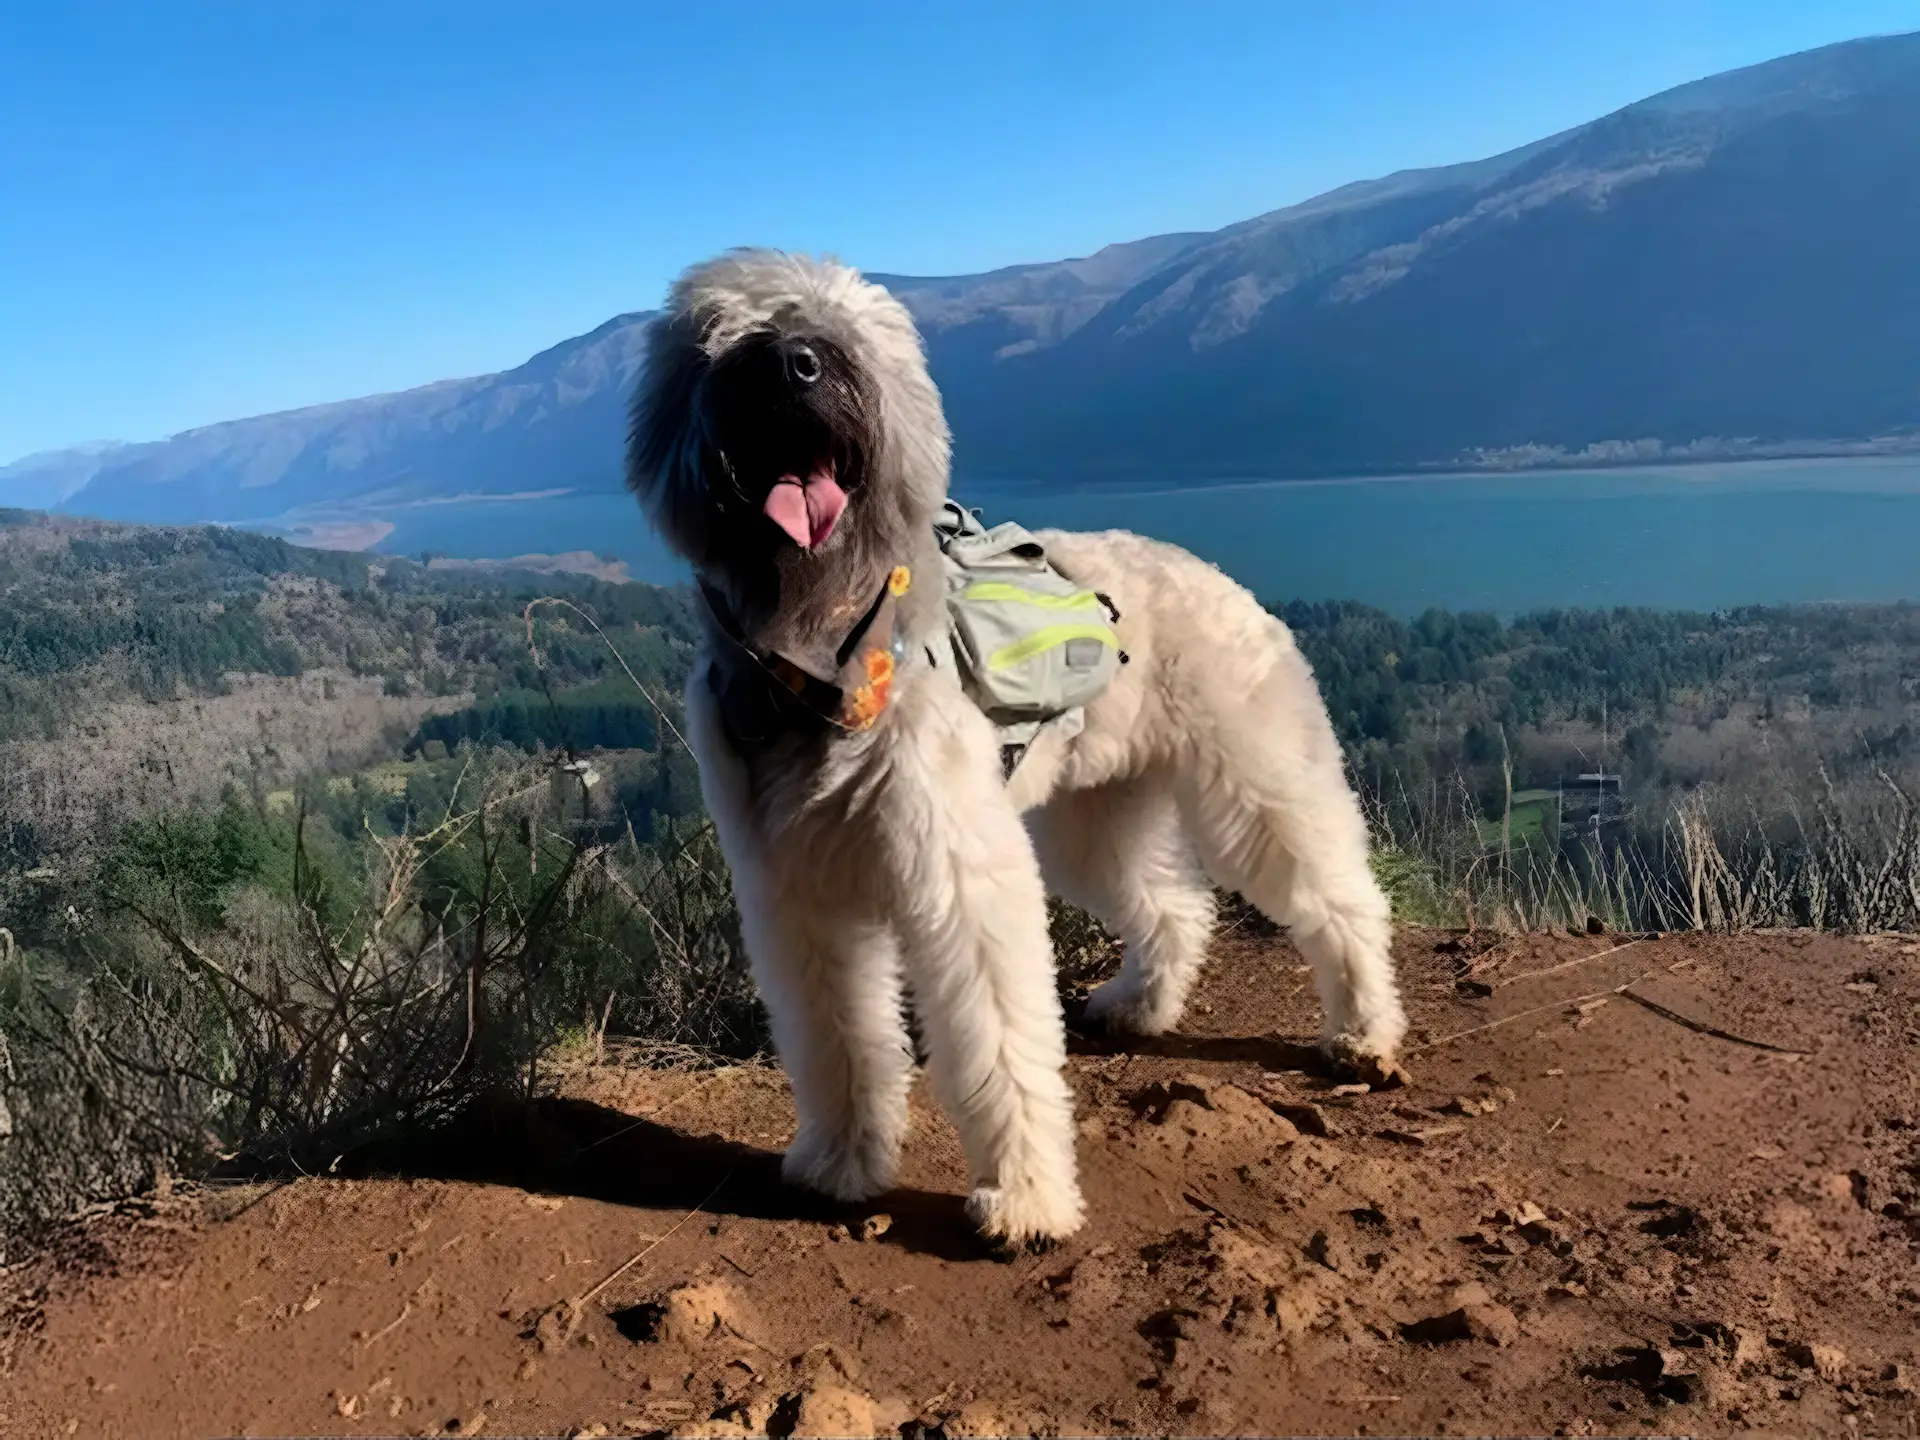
x=803 y=363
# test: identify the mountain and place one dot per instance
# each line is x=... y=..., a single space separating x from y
x=1733 y=258
x=42 y=481
x=555 y=423
x=1727 y=265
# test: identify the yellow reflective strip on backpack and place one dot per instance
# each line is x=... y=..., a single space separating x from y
x=1041 y=641
x=1001 y=591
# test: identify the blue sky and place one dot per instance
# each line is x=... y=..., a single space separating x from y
x=213 y=210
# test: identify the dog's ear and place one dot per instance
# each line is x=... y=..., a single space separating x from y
x=669 y=457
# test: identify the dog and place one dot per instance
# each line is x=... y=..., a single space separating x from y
x=788 y=441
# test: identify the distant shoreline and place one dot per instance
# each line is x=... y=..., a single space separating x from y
x=1908 y=452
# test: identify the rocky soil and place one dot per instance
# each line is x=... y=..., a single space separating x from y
x=1671 y=1185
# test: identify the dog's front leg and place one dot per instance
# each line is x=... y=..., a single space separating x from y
x=829 y=974
x=833 y=993
x=972 y=916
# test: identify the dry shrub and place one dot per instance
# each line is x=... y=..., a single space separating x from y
x=1841 y=858
x=305 y=1022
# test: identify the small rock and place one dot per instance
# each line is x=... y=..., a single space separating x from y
x=977 y=1418
x=1307 y=1119
x=1322 y=1250
x=558 y=1324
x=1222 y=1114
x=1156 y=1099
x=1660 y=1373
x=828 y=1410
x=1749 y=1349
x=1495 y=1324
x=595 y=1431
x=1895 y=1377
x=1261 y=1123
x=1381 y=1073
x=1829 y=1362
x=874 y=1226
x=685 y=1315
x=549 y=1203
x=1485 y=1321
x=1423 y=1136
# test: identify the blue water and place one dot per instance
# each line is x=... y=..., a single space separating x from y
x=1695 y=537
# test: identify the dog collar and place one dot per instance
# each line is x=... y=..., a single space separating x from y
x=763 y=695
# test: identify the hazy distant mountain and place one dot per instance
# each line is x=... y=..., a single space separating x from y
x=1734 y=258
x=556 y=422
x=42 y=481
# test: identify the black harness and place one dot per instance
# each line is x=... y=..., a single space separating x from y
x=763 y=695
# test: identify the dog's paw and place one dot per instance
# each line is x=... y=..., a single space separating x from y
x=1122 y=1008
x=1028 y=1215
x=846 y=1171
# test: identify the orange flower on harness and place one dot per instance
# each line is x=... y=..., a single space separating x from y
x=865 y=705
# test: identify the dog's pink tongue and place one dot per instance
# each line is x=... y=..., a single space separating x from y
x=807 y=510
x=825 y=501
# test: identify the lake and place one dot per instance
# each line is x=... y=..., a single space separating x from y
x=1693 y=537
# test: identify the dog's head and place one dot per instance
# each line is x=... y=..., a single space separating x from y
x=785 y=423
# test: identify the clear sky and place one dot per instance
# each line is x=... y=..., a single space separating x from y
x=210 y=210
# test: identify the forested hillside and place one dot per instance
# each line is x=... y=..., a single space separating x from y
x=91 y=613
x=1669 y=699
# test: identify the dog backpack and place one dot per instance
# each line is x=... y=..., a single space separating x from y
x=1032 y=648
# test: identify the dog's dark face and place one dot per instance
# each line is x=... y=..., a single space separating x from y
x=787 y=439
x=785 y=421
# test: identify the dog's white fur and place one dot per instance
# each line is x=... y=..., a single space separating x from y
x=897 y=861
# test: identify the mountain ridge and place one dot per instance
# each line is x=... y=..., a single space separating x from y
x=1716 y=269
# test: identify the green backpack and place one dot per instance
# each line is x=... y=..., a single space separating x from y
x=1032 y=647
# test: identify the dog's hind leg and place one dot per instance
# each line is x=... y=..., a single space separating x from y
x=1120 y=852
x=972 y=917
x=1272 y=816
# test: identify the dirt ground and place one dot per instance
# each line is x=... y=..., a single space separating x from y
x=1598 y=1217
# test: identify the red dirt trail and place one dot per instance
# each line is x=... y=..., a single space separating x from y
x=1599 y=1217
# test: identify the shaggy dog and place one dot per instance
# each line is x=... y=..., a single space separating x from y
x=788 y=441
